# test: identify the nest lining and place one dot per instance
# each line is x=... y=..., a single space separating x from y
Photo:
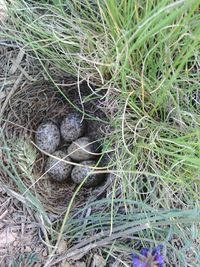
x=32 y=104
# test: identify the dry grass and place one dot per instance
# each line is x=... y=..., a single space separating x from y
x=18 y=231
x=19 y=228
x=27 y=98
x=28 y=101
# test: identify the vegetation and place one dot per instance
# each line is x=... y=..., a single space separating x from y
x=143 y=59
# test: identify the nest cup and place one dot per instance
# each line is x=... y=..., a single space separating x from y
x=30 y=106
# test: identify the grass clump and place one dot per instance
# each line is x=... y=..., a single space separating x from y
x=143 y=59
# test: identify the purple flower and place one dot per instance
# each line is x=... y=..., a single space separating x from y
x=148 y=258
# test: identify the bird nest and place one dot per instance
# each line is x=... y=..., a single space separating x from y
x=31 y=104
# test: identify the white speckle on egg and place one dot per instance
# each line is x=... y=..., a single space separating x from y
x=82 y=149
x=47 y=137
x=72 y=127
x=80 y=172
x=58 y=170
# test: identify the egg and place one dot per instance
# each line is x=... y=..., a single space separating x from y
x=80 y=172
x=72 y=127
x=82 y=149
x=58 y=170
x=47 y=137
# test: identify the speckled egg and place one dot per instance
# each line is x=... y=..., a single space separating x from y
x=80 y=172
x=58 y=170
x=82 y=149
x=47 y=136
x=72 y=127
